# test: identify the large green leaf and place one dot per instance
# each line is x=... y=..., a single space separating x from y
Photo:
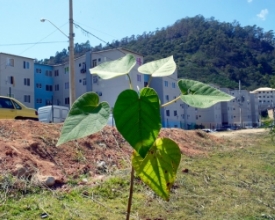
x=159 y=68
x=111 y=69
x=138 y=118
x=159 y=168
x=200 y=95
x=87 y=116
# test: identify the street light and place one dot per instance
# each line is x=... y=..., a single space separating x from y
x=71 y=57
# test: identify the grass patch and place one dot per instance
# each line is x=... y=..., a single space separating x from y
x=235 y=181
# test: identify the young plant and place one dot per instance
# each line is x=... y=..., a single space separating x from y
x=138 y=119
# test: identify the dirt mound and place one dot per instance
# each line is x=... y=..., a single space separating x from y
x=31 y=145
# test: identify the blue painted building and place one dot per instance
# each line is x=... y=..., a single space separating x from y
x=43 y=85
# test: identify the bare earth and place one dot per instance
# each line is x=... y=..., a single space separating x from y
x=31 y=145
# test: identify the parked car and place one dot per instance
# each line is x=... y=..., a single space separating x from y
x=53 y=113
x=207 y=130
x=11 y=108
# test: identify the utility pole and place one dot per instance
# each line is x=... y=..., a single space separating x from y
x=71 y=55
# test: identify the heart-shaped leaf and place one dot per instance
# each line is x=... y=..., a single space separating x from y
x=159 y=168
x=111 y=69
x=138 y=118
x=87 y=116
x=159 y=68
x=200 y=95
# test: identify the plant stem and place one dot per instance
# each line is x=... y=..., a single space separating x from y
x=131 y=87
x=171 y=102
x=150 y=79
x=130 y=194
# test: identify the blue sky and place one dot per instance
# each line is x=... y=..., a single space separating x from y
x=23 y=34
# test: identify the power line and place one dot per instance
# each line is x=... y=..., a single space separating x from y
x=19 y=44
x=89 y=33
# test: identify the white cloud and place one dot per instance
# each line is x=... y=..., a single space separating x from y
x=262 y=15
x=249 y=1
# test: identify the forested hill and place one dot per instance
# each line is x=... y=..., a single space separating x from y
x=210 y=51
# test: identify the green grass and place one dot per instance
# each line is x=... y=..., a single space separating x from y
x=235 y=181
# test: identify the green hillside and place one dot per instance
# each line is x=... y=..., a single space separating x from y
x=207 y=50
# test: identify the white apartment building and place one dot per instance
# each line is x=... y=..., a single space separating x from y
x=241 y=111
x=17 y=78
x=264 y=97
x=108 y=90
x=209 y=117
x=172 y=115
x=83 y=78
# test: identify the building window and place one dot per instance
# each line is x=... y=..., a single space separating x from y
x=66 y=70
x=138 y=78
x=27 y=98
x=173 y=85
x=94 y=63
x=67 y=101
x=84 y=82
x=38 y=101
x=167 y=112
x=11 y=80
x=38 y=70
x=99 y=59
x=49 y=88
x=99 y=93
x=56 y=73
x=139 y=62
x=167 y=97
x=48 y=102
x=95 y=79
x=175 y=113
x=10 y=62
x=166 y=83
x=56 y=87
x=38 y=85
x=27 y=81
x=66 y=85
x=26 y=65
x=50 y=73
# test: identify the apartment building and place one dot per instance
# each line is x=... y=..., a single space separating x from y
x=38 y=85
x=43 y=85
x=108 y=90
x=188 y=116
x=209 y=117
x=17 y=78
x=241 y=111
x=167 y=89
x=264 y=97
x=61 y=80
